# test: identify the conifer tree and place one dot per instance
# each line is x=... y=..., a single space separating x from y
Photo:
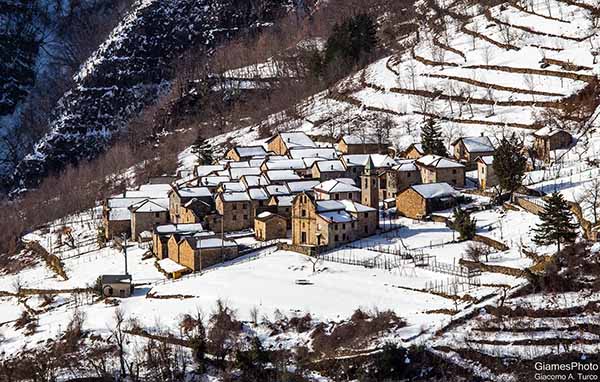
x=463 y=224
x=509 y=163
x=556 y=224
x=431 y=139
x=203 y=150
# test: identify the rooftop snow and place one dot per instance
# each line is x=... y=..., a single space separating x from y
x=321 y=152
x=282 y=175
x=168 y=229
x=437 y=161
x=235 y=196
x=330 y=165
x=296 y=139
x=251 y=151
x=194 y=192
x=170 y=266
x=337 y=216
x=302 y=185
x=476 y=144
x=335 y=185
x=361 y=139
x=290 y=164
x=435 y=190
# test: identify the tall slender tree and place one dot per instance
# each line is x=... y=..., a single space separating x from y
x=509 y=163
x=556 y=224
x=431 y=139
x=203 y=150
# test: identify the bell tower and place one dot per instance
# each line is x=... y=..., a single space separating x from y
x=369 y=185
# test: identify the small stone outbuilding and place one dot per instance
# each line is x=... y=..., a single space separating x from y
x=269 y=226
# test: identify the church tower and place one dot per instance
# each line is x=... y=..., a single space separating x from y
x=369 y=184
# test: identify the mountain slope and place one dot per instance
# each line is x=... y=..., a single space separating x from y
x=129 y=70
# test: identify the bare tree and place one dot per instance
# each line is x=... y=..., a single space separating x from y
x=120 y=337
x=314 y=261
x=590 y=198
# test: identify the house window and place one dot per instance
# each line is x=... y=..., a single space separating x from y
x=261 y=203
x=366 y=229
x=336 y=196
x=366 y=214
x=344 y=237
x=244 y=206
x=336 y=238
x=335 y=227
x=233 y=217
x=366 y=183
x=352 y=225
x=343 y=226
x=157 y=214
x=349 y=195
x=303 y=213
x=233 y=206
x=245 y=217
x=303 y=237
x=454 y=171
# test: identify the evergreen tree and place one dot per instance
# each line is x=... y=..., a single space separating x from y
x=556 y=225
x=431 y=139
x=509 y=163
x=203 y=150
x=463 y=224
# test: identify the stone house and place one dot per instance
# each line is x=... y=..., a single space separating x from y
x=235 y=208
x=297 y=165
x=420 y=200
x=145 y=216
x=116 y=285
x=437 y=169
x=197 y=253
x=314 y=153
x=355 y=164
x=548 y=139
x=485 y=172
x=361 y=144
x=399 y=177
x=162 y=233
x=244 y=153
x=282 y=142
x=337 y=189
x=269 y=226
x=414 y=151
x=328 y=169
x=182 y=212
x=116 y=216
x=468 y=149
x=329 y=223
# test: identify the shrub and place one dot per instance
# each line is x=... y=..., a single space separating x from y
x=476 y=251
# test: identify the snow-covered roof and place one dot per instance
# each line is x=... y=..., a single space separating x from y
x=379 y=160
x=213 y=181
x=405 y=165
x=548 y=131
x=235 y=196
x=476 y=144
x=207 y=169
x=258 y=194
x=296 y=139
x=417 y=146
x=168 y=229
x=119 y=202
x=330 y=166
x=329 y=205
x=320 y=152
x=434 y=190
x=268 y=215
x=148 y=206
x=277 y=189
x=233 y=186
x=250 y=151
x=437 y=161
x=242 y=164
x=352 y=206
x=488 y=160
x=170 y=266
x=237 y=173
x=335 y=185
x=278 y=175
x=353 y=139
x=290 y=164
x=254 y=180
x=284 y=200
x=301 y=185
x=337 y=216
x=308 y=162
x=214 y=242
x=194 y=192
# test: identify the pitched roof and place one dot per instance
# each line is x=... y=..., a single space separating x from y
x=549 y=131
x=266 y=215
x=213 y=180
x=406 y=165
x=295 y=139
x=278 y=175
x=335 y=185
x=207 y=169
x=337 y=216
x=354 y=139
x=379 y=160
x=233 y=186
x=417 y=146
x=258 y=194
x=213 y=242
x=237 y=173
x=437 y=161
x=168 y=229
x=319 y=152
x=284 y=200
x=148 y=206
x=235 y=196
x=330 y=165
x=434 y=190
x=352 y=206
x=476 y=144
x=253 y=180
x=488 y=160
x=301 y=185
x=290 y=164
x=250 y=151
x=193 y=192
x=329 y=205
x=277 y=189
x=115 y=279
